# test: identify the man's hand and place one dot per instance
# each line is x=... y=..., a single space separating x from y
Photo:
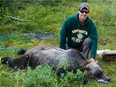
x=92 y=60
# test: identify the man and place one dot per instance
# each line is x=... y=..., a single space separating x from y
x=79 y=32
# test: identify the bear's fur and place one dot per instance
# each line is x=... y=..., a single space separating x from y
x=53 y=56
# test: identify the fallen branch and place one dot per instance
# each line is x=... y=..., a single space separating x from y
x=3 y=48
x=17 y=19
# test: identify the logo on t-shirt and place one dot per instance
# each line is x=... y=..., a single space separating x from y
x=80 y=35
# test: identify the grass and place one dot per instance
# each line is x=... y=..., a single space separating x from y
x=49 y=19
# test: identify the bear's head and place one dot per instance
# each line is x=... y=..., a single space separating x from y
x=95 y=71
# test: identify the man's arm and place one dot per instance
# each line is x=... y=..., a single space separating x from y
x=64 y=34
x=94 y=38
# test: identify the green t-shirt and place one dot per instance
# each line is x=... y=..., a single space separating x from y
x=73 y=33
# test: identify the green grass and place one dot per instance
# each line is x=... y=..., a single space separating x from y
x=49 y=19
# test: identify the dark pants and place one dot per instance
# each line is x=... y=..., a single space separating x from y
x=84 y=48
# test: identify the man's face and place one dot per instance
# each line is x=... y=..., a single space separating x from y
x=83 y=14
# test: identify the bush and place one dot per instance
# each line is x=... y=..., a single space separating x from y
x=40 y=77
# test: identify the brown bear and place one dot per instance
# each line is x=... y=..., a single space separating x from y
x=53 y=56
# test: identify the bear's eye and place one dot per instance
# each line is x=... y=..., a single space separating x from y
x=98 y=74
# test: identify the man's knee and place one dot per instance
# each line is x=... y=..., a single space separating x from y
x=87 y=41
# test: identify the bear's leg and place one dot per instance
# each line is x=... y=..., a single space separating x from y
x=5 y=60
